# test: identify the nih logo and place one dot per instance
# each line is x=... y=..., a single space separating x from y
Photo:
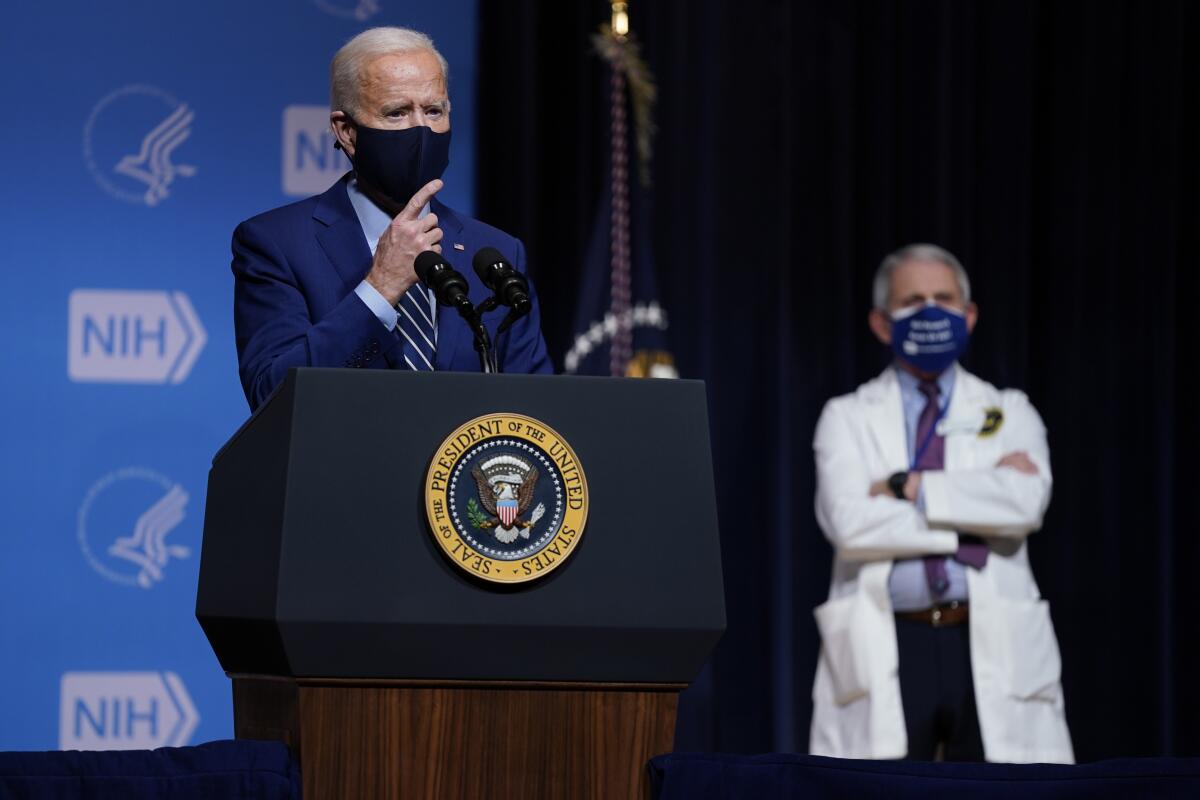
x=310 y=162
x=132 y=336
x=124 y=711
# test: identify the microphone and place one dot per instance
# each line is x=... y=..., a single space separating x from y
x=451 y=288
x=509 y=286
x=447 y=283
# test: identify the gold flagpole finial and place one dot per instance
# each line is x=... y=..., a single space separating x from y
x=620 y=19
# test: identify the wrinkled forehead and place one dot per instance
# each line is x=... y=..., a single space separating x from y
x=413 y=73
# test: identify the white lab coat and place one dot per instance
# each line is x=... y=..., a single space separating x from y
x=860 y=439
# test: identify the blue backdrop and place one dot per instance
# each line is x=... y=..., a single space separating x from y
x=139 y=134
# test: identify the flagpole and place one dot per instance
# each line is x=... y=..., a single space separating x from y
x=627 y=319
x=621 y=349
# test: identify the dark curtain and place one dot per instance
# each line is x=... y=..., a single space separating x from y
x=1052 y=146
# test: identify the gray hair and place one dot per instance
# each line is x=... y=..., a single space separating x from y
x=916 y=252
x=346 y=69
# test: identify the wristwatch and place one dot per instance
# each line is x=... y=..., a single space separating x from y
x=897 y=482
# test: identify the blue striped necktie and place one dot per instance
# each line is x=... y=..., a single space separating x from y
x=416 y=326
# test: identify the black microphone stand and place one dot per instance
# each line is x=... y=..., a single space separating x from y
x=483 y=346
x=514 y=314
x=483 y=342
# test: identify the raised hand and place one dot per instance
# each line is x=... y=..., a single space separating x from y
x=392 y=271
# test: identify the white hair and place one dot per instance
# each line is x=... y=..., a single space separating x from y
x=345 y=71
x=882 y=288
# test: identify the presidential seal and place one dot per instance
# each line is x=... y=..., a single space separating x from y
x=506 y=498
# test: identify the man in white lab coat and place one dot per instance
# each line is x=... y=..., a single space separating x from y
x=935 y=640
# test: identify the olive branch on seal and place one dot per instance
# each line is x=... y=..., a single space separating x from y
x=477 y=517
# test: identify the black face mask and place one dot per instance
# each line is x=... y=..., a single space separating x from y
x=399 y=162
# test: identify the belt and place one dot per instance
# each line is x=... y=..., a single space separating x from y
x=952 y=613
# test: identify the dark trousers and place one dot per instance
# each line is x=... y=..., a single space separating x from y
x=937 y=692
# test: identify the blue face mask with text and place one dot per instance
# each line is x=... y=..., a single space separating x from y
x=929 y=337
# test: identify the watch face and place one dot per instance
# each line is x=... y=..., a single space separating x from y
x=896 y=482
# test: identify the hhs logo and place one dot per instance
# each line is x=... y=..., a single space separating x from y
x=129 y=143
x=310 y=162
x=124 y=522
x=124 y=711
x=132 y=336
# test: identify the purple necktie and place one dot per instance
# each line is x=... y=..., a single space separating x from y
x=971 y=550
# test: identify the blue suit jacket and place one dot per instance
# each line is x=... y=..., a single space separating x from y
x=295 y=269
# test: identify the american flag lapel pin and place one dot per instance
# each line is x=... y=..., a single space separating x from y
x=458 y=246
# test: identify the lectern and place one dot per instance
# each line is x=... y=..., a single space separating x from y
x=352 y=634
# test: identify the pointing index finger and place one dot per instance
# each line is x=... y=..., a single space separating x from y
x=413 y=209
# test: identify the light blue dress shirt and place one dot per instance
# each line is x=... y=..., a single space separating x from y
x=907 y=583
x=375 y=221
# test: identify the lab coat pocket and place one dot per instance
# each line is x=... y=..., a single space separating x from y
x=845 y=640
x=1035 y=665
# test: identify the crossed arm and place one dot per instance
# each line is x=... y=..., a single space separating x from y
x=1017 y=459
x=864 y=521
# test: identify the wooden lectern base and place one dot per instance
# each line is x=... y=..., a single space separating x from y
x=368 y=738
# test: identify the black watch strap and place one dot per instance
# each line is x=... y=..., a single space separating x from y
x=896 y=482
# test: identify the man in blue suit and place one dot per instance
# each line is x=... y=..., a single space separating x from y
x=330 y=281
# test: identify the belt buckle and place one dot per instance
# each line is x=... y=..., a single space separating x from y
x=935 y=617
